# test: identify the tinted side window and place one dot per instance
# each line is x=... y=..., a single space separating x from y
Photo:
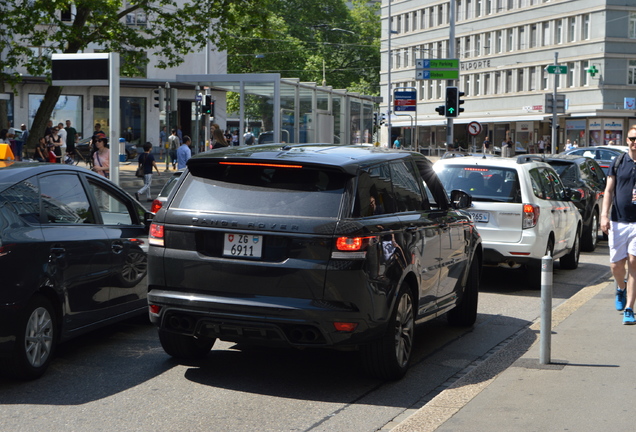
x=114 y=210
x=24 y=199
x=374 y=195
x=64 y=200
x=408 y=195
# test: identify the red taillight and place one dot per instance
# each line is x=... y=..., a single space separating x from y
x=530 y=215
x=6 y=249
x=349 y=243
x=345 y=326
x=155 y=236
x=154 y=309
x=155 y=206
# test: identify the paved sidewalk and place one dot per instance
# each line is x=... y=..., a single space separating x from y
x=587 y=386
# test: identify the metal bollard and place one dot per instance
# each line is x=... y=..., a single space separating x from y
x=546 y=309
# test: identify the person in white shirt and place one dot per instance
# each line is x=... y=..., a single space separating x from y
x=61 y=132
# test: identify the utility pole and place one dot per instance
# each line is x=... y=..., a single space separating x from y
x=553 y=138
x=388 y=86
x=451 y=52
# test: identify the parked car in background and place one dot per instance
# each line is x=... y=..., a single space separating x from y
x=161 y=199
x=311 y=246
x=73 y=256
x=604 y=155
x=586 y=176
x=521 y=209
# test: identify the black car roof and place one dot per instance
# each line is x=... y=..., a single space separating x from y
x=12 y=172
x=347 y=158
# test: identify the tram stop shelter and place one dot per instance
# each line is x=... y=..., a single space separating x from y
x=294 y=111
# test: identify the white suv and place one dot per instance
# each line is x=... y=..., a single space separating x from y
x=520 y=208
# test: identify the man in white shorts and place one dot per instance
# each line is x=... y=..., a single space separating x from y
x=620 y=226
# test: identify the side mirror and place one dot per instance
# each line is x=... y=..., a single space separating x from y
x=460 y=199
x=574 y=195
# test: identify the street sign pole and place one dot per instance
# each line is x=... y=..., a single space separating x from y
x=553 y=139
x=451 y=51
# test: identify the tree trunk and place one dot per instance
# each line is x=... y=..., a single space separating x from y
x=42 y=116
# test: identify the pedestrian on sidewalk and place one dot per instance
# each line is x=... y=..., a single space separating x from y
x=620 y=226
x=184 y=153
x=147 y=161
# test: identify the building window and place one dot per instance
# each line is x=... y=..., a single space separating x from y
x=508 y=88
x=510 y=39
x=546 y=34
x=431 y=11
x=497 y=89
x=520 y=78
x=486 y=83
x=571 y=29
x=477 y=45
x=631 y=72
x=414 y=20
x=406 y=23
x=571 y=81
x=398 y=59
x=585 y=33
x=521 y=40
x=632 y=25
x=585 y=77
x=499 y=37
x=532 y=79
x=440 y=15
x=477 y=84
x=467 y=85
x=533 y=35
x=469 y=9
x=489 y=7
x=544 y=78
x=67 y=108
x=423 y=19
x=559 y=31
x=479 y=4
x=488 y=43
x=398 y=24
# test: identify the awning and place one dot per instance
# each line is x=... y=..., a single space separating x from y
x=465 y=120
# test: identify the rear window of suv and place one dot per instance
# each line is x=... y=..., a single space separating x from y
x=484 y=183
x=267 y=189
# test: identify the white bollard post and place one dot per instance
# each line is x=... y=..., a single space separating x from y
x=546 y=309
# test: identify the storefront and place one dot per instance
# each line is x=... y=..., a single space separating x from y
x=575 y=132
x=602 y=131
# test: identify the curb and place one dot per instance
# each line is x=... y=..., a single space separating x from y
x=479 y=375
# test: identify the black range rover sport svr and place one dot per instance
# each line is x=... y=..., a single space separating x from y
x=311 y=246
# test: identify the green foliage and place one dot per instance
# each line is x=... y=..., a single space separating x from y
x=296 y=42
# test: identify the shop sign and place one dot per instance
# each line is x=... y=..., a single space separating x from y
x=595 y=124
x=575 y=124
x=613 y=124
x=524 y=126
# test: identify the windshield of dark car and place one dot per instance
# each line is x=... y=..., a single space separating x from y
x=266 y=189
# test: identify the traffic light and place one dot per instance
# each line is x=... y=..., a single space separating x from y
x=550 y=120
x=453 y=102
x=383 y=119
x=441 y=110
x=207 y=104
x=174 y=96
x=375 y=119
x=160 y=98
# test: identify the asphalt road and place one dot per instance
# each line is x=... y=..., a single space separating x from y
x=120 y=379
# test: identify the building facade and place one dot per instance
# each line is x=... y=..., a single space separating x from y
x=504 y=48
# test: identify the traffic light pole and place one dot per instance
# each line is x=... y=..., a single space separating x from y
x=451 y=51
x=553 y=139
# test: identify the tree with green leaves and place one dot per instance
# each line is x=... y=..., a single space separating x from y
x=173 y=28
x=306 y=38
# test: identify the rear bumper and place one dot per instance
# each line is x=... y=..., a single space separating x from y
x=261 y=320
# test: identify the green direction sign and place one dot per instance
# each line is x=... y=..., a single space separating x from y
x=423 y=74
x=555 y=69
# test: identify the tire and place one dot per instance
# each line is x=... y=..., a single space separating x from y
x=36 y=340
x=183 y=346
x=389 y=357
x=465 y=313
x=571 y=260
x=589 y=238
x=534 y=268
